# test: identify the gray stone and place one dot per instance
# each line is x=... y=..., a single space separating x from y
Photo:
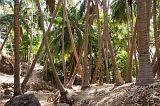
x=23 y=100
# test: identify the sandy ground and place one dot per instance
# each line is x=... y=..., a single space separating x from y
x=42 y=97
x=106 y=95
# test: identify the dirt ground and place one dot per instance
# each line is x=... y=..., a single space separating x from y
x=107 y=95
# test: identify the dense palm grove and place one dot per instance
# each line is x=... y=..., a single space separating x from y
x=82 y=43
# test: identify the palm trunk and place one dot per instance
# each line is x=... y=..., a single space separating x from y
x=130 y=43
x=91 y=60
x=29 y=73
x=156 y=38
x=145 y=75
x=136 y=62
x=106 y=64
x=85 y=81
x=44 y=68
x=100 y=43
x=63 y=51
x=129 y=23
x=31 y=39
x=71 y=35
x=70 y=83
x=148 y=11
x=105 y=51
x=117 y=75
x=17 y=87
x=130 y=58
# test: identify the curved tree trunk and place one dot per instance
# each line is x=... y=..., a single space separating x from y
x=17 y=87
x=29 y=73
x=117 y=75
x=145 y=75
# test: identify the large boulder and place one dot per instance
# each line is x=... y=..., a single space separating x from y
x=6 y=64
x=23 y=100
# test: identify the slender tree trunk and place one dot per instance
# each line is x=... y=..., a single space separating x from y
x=129 y=67
x=100 y=43
x=29 y=73
x=17 y=87
x=145 y=75
x=156 y=37
x=105 y=50
x=91 y=23
x=117 y=75
x=63 y=51
x=31 y=39
x=70 y=83
x=129 y=25
x=44 y=68
x=91 y=60
x=5 y=40
x=71 y=35
x=106 y=64
x=136 y=62
x=85 y=80
x=130 y=43
x=148 y=11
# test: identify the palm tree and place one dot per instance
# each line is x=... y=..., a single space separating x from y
x=105 y=46
x=63 y=50
x=59 y=84
x=130 y=58
x=17 y=87
x=76 y=27
x=85 y=80
x=40 y=49
x=100 y=43
x=145 y=75
x=117 y=75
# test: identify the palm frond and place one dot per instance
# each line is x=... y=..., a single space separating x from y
x=118 y=10
x=6 y=19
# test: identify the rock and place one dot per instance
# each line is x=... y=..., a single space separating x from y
x=6 y=64
x=8 y=91
x=23 y=100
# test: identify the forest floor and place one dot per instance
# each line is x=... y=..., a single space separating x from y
x=106 y=95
